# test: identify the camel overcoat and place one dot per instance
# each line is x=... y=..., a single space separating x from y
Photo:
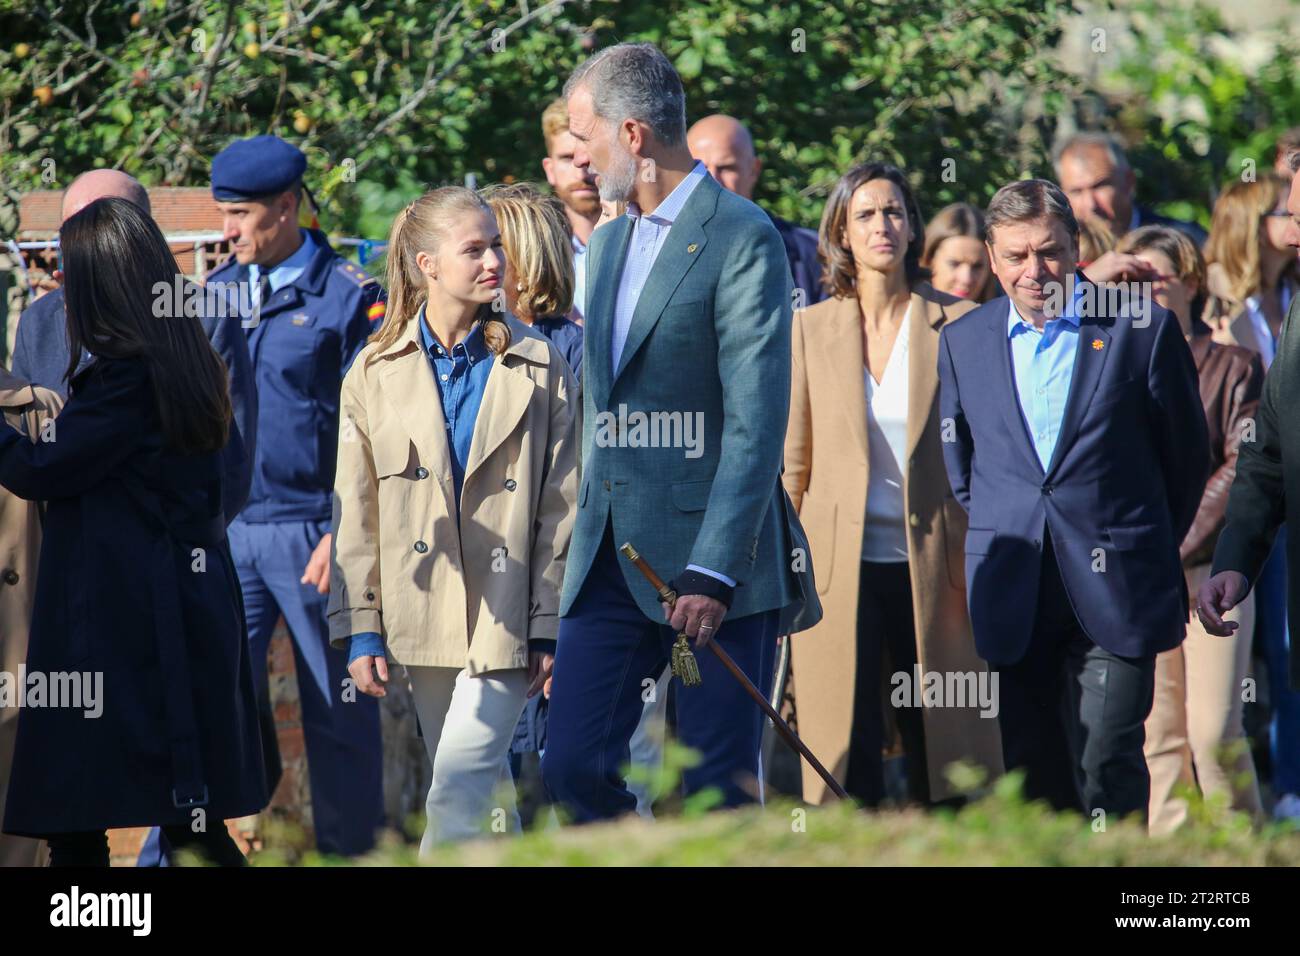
x=826 y=474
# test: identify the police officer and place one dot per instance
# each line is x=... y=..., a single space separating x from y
x=309 y=312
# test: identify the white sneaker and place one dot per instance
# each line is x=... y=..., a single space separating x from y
x=1287 y=807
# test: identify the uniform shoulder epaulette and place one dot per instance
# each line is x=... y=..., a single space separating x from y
x=354 y=272
x=228 y=264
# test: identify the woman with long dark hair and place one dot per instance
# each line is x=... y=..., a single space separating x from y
x=137 y=619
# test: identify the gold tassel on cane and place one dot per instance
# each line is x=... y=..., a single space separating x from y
x=684 y=665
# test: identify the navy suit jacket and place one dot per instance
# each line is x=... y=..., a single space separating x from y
x=801 y=252
x=1118 y=496
x=41 y=356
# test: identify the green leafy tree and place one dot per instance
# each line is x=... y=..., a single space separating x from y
x=1195 y=113
x=389 y=96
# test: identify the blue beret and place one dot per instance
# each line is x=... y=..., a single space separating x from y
x=261 y=166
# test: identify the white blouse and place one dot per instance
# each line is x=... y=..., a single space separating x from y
x=1259 y=322
x=884 y=536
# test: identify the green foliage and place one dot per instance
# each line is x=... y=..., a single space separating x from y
x=997 y=827
x=1000 y=829
x=1194 y=109
x=392 y=95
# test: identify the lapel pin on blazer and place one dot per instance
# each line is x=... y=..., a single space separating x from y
x=692 y=247
x=1098 y=345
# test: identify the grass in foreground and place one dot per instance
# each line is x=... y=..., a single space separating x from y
x=997 y=829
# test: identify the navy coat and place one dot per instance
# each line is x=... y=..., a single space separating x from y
x=801 y=252
x=41 y=356
x=1118 y=496
x=135 y=583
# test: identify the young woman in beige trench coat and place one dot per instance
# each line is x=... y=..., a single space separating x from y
x=864 y=467
x=454 y=501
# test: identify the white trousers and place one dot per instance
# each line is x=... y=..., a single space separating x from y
x=646 y=748
x=468 y=723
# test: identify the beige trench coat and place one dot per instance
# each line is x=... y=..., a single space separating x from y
x=826 y=474
x=24 y=407
x=443 y=592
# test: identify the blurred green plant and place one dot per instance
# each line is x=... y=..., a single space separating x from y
x=1198 y=103
x=999 y=829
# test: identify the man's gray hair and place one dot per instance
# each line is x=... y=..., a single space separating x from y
x=636 y=81
x=1081 y=142
x=1030 y=200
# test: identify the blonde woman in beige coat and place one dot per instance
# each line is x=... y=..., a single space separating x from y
x=864 y=467
x=454 y=501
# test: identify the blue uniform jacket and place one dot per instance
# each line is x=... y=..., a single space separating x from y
x=301 y=346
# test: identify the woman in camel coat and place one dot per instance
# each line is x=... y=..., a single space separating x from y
x=887 y=548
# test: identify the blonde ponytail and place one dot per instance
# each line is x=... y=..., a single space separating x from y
x=420 y=227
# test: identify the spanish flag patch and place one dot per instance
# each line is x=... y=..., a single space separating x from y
x=377 y=311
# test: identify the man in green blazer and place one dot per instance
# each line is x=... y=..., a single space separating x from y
x=1266 y=491
x=686 y=394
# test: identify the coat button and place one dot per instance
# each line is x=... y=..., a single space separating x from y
x=422 y=472
x=10 y=576
x=370 y=595
x=1047 y=489
x=510 y=484
x=914 y=520
x=421 y=547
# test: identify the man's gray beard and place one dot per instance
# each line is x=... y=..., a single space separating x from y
x=616 y=184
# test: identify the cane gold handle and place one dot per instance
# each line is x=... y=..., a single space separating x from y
x=683 y=661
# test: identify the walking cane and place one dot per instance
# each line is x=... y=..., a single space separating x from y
x=681 y=649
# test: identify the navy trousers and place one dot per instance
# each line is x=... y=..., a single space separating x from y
x=608 y=653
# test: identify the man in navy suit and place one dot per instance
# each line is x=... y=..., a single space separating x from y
x=1075 y=438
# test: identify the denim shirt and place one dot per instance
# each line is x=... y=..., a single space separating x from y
x=462 y=377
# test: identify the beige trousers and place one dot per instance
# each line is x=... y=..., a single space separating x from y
x=1194 y=733
x=468 y=723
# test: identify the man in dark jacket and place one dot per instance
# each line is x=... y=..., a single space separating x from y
x=1079 y=449
x=1266 y=491
x=309 y=313
x=1094 y=173
x=727 y=150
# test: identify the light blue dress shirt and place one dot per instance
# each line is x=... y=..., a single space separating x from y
x=286 y=272
x=649 y=233
x=1043 y=366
